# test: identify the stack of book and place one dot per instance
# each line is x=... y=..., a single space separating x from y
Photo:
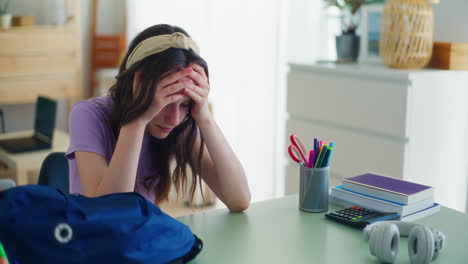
x=411 y=201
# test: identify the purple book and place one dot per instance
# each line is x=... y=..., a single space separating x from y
x=388 y=188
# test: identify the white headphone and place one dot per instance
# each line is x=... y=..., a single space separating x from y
x=424 y=244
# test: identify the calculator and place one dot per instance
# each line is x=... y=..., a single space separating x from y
x=360 y=217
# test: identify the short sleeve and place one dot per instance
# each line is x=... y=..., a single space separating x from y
x=87 y=129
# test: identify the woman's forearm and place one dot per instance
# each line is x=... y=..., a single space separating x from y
x=121 y=173
x=227 y=175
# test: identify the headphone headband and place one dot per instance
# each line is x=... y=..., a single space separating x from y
x=404 y=227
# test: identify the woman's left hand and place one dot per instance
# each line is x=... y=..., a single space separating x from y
x=198 y=91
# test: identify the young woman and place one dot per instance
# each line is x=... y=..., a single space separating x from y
x=153 y=125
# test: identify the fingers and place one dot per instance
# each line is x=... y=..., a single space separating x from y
x=174 y=97
x=173 y=88
x=173 y=77
x=169 y=97
x=199 y=69
x=197 y=89
x=190 y=81
x=172 y=93
x=192 y=94
x=196 y=93
x=198 y=79
x=199 y=76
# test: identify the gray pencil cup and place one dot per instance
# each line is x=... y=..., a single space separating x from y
x=313 y=189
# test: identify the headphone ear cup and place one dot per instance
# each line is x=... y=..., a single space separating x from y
x=384 y=242
x=420 y=245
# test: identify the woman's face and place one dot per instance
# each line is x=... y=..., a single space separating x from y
x=170 y=116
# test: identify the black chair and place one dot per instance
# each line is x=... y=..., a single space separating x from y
x=54 y=172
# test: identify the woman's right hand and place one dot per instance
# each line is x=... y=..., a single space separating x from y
x=168 y=90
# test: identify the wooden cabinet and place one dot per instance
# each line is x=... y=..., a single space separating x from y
x=411 y=125
x=41 y=60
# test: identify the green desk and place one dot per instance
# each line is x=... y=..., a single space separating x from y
x=276 y=231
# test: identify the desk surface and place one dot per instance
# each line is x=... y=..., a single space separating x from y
x=20 y=164
x=60 y=142
x=276 y=231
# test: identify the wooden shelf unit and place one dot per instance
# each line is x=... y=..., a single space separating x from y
x=41 y=60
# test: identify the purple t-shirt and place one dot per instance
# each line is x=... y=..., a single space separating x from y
x=89 y=132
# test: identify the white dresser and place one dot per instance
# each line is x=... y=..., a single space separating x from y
x=405 y=124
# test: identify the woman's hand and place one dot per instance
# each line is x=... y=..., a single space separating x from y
x=198 y=91
x=170 y=88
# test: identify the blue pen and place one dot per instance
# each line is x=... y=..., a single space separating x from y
x=331 y=145
x=316 y=149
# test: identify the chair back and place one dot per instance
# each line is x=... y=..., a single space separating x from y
x=54 y=172
x=6 y=183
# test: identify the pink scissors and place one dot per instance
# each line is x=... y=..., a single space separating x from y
x=296 y=150
x=294 y=153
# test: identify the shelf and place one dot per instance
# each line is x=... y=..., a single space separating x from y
x=38 y=28
x=368 y=71
x=41 y=60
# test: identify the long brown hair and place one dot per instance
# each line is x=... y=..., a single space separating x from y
x=128 y=105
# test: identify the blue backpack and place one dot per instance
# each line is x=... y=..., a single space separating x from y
x=39 y=224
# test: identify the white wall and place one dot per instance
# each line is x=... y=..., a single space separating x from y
x=306 y=31
x=451 y=21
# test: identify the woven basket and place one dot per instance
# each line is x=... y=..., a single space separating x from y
x=406 y=34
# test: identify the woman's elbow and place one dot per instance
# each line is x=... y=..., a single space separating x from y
x=240 y=205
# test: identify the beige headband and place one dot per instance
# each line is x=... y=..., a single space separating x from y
x=158 y=44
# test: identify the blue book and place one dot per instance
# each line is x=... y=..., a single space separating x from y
x=378 y=204
x=388 y=188
x=420 y=214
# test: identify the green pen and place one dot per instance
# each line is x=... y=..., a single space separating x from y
x=332 y=146
x=326 y=150
x=318 y=163
x=326 y=157
x=3 y=256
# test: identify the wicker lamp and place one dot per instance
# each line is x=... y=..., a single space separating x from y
x=407 y=33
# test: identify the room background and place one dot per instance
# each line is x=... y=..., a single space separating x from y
x=248 y=45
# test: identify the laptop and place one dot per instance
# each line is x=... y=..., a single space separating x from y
x=44 y=125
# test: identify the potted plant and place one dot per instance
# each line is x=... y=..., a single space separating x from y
x=347 y=44
x=5 y=17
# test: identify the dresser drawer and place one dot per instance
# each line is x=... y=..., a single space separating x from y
x=23 y=41
x=370 y=105
x=354 y=153
x=24 y=90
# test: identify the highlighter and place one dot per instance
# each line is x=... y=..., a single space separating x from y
x=3 y=256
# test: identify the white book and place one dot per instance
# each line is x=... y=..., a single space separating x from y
x=379 y=204
x=420 y=214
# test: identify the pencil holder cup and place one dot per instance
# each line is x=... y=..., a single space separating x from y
x=313 y=189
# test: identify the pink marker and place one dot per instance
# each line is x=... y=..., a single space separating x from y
x=311 y=159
